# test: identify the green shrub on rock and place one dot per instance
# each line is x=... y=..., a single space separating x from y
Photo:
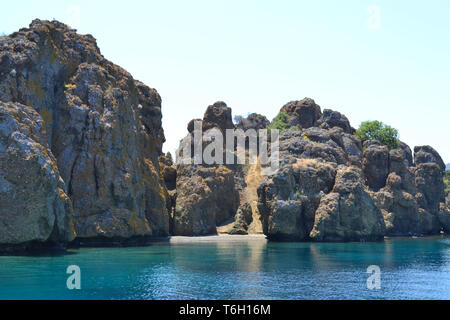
x=279 y=122
x=377 y=130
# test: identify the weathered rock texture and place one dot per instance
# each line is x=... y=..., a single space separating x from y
x=33 y=204
x=253 y=121
x=102 y=127
x=329 y=187
x=206 y=197
x=348 y=213
x=206 y=193
x=407 y=193
x=81 y=154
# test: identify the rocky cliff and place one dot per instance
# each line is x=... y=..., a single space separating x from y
x=330 y=186
x=85 y=137
x=81 y=158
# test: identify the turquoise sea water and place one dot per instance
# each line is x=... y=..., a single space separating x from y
x=410 y=269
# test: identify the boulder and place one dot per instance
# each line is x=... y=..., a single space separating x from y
x=303 y=114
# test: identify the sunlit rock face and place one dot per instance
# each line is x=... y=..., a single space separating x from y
x=331 y=187
x=33 y=204
x=102 y=127
x=81 y=156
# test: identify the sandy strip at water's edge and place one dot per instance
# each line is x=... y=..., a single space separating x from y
x=218 y=238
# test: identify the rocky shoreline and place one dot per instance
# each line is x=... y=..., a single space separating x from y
x=81 y=164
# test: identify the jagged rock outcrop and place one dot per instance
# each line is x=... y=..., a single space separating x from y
x=206 y=192
x=206 y=197
x=296 y=201
x=426 y=154
x=348 y=213
x=303 y=114
x=253 y=121
x=218 y=115
x=243 y=219
x=407 y=193
x=289 y=199
x=330 y=186
x=375 y=164
x=81 y=154
x=331 y=119
x=34 y=208
x=102 y=126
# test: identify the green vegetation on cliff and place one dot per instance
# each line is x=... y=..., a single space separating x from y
x=377 y=130
x=280 y=123
x=447 y=182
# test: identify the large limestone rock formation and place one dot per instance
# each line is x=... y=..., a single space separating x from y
x=102 y=127
x=34 y=208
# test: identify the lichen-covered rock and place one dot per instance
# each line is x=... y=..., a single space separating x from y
x=410 y=199
x=348 y=213
x=378 y=191
x=206 y=197
x=209 y=194
x=33 y=204
x=114 y=224
x=103 y=127
x=288 y=200
x=285 y=222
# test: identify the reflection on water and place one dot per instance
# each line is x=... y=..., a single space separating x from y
x=411 y=269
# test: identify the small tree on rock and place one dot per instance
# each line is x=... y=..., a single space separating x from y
x=377 y=130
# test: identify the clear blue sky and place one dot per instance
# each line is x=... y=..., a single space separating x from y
x=385 y=60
